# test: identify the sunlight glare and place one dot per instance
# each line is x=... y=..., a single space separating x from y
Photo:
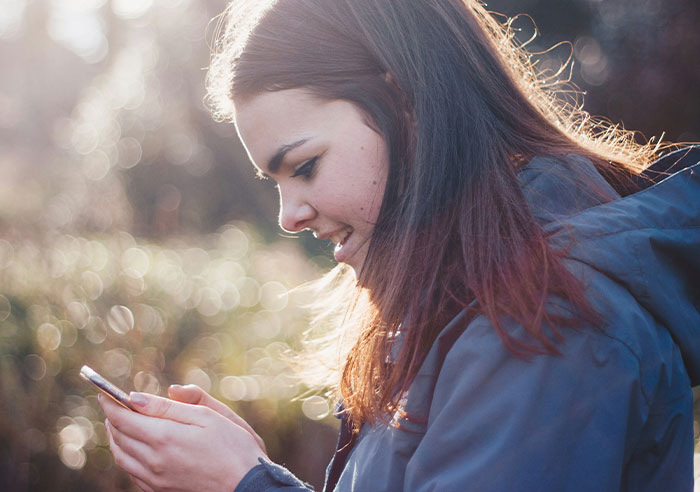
x=79 y=28
x=11 y=18
x=131 y=9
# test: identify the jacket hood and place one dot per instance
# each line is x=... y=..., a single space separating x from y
x=649 y=241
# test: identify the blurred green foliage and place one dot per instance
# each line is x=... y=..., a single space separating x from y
x=213 y=310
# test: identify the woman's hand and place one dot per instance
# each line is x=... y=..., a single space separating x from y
x=195 y=395
x=199 y=444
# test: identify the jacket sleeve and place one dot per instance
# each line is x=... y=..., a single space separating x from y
x=499 y=422
x=271 y=477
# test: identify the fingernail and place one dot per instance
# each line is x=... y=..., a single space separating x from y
x=138 y=399
x=99 y=397
x=175 y=386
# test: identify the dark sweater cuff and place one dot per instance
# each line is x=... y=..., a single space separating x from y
x=268 y=476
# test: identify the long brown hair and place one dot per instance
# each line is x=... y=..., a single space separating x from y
x=461 y=107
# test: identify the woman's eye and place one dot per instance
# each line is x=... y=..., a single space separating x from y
x=306 y=169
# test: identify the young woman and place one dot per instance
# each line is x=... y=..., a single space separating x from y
x=523 y=313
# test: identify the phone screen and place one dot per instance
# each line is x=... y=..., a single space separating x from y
x=91 y=376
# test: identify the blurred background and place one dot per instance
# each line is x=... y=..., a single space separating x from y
x=135 y=238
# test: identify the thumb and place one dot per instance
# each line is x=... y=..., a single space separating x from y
x=190 y=393
x=164 y=408
x=195 y=395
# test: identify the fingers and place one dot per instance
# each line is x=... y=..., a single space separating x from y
x=190 y=393
x=195 y=395
x=115 y=412
x=164 y=408
x=144 y=428
x=125 y=461
x=142 y=485
x=129 y=446
x=181 y=455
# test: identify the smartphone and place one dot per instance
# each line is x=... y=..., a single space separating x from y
x=91 y=376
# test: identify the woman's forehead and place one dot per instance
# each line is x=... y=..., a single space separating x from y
x=269 y=121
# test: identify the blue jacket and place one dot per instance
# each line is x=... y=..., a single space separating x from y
x=612 y=413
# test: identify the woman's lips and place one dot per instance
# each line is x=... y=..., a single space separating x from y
x=339 y=237
x=341 y=253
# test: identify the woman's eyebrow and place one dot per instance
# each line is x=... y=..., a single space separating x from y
x=275 y=161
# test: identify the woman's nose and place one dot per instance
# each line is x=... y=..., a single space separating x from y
x=295 y=212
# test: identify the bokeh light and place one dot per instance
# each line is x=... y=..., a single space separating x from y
x=35 y=366
x=273 y=296
x=5 y=308
x=249 y=291
x=78 y=27
x=146 y=382
x=120 y=319
x=48 y=336
x=72 y=456
x=199 y=377
x=315 y=407
x=117 y=363
x=232 y=388
x=594 y=63
x=131 y=9
x=94 y=330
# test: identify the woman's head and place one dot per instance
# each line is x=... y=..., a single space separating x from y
x=441 y=82
x=458 y=107
x=329 y=164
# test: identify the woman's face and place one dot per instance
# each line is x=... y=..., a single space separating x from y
x=329 y=165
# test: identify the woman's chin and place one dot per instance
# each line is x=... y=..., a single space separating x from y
x=343 y=254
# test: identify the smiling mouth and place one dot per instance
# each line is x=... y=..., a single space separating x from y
x=340 y=253
x=339 y=238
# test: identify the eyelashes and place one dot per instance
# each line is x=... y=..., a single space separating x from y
x=307 y=169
